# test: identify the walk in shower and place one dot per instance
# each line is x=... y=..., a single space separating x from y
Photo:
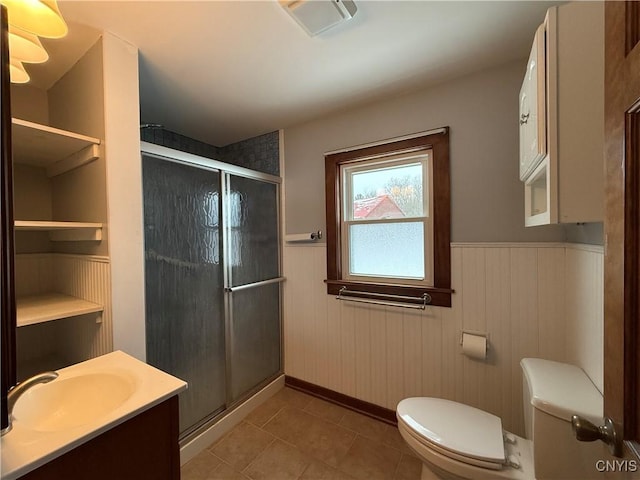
x=213 y=279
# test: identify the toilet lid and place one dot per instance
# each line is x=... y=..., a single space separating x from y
x=456 y=428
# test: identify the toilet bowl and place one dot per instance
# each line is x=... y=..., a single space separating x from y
x=457 y=441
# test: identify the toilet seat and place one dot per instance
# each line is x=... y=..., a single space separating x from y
x=457 y=431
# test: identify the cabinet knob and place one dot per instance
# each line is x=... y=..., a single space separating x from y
x=524 y=118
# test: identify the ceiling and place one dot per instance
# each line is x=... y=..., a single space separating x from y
x=224 y=71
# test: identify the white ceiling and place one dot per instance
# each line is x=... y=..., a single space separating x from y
x=224 y=71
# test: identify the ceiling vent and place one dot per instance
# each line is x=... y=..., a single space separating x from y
x=316 y=16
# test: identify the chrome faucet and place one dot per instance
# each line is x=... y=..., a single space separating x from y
x=16 y=392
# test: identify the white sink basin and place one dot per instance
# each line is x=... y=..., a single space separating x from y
x=70 y=402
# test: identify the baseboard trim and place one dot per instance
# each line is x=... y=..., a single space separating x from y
x=369 y=409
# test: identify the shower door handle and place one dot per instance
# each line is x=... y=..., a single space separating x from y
x=255 y=284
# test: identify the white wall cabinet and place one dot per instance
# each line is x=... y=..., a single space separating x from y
x=533 y=138
x=562 y=118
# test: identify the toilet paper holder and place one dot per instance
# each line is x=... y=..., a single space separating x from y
x=477 y=333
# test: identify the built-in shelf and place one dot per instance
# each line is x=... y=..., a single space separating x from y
x=51 y=306
x=63 y=231
x=56 y=150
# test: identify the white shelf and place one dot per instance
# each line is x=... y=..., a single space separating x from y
x=51 y=306
x=63 y=231
x=56 y=150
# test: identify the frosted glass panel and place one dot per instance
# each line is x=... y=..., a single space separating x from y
x=253 y=230
x=387 y=249
x=255 y=337
x=184 y=283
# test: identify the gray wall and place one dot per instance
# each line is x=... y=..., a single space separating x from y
x=481 y=110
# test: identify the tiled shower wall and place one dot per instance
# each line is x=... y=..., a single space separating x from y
x=534 y=300
x=259 y=153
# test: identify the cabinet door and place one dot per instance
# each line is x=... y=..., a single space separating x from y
x=532 y=109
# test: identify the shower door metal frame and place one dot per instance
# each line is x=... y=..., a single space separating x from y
x=226 y=170
x=229 y=288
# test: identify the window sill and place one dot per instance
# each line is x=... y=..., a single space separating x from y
x=440 y=297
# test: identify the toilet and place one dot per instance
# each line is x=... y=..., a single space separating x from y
x=457 y=441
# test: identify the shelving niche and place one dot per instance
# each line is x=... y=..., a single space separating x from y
x=52 y=306
x=62 y=262
x=57 y=152
x=54 y=149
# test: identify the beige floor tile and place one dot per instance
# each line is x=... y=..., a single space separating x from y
x=319 y=438
x=368 y=459
x=294 y=398
x=410 y=468
x=367 y=426
x=395 y=440
x=325 y=410
x=226 y=472
x=302 y=437
x=322 y=471
x=278 y=461
x=326 y=441
x=265 y=412
x=242 y=445
x=200 y=466
x=289 y=424
x=283 y=398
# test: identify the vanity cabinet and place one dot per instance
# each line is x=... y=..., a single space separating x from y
x=146 y=446
x=562 y=118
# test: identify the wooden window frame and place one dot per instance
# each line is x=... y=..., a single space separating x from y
x=440 y=292
x=424 y=159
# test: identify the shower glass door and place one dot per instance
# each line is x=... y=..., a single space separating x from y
x=185 y=319
x=252 y=283
x=212 y=267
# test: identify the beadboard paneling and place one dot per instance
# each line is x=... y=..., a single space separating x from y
x=584 y=269
x=59 y=343
x=530 y=298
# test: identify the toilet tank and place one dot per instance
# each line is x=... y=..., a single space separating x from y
x=552 y=393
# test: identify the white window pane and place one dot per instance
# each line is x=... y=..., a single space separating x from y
x=387 y=249
x=388 y=192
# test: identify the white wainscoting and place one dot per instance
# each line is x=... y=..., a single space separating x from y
x=52 y=345
x=534 y=300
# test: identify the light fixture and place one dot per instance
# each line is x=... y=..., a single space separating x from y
x=26 y=47
x=17 y=72
x=316 y=16
x=40 y=17
x=28 y=20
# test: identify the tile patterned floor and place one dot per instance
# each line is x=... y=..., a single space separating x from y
x=296 y=436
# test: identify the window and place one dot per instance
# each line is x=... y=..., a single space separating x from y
x=388 y=219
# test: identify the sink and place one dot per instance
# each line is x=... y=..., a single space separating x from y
x=70 y=402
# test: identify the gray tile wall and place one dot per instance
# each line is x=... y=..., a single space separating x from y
x=261 y=153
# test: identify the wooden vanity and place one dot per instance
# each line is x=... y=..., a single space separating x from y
x=144 y=447
x=111 y=417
